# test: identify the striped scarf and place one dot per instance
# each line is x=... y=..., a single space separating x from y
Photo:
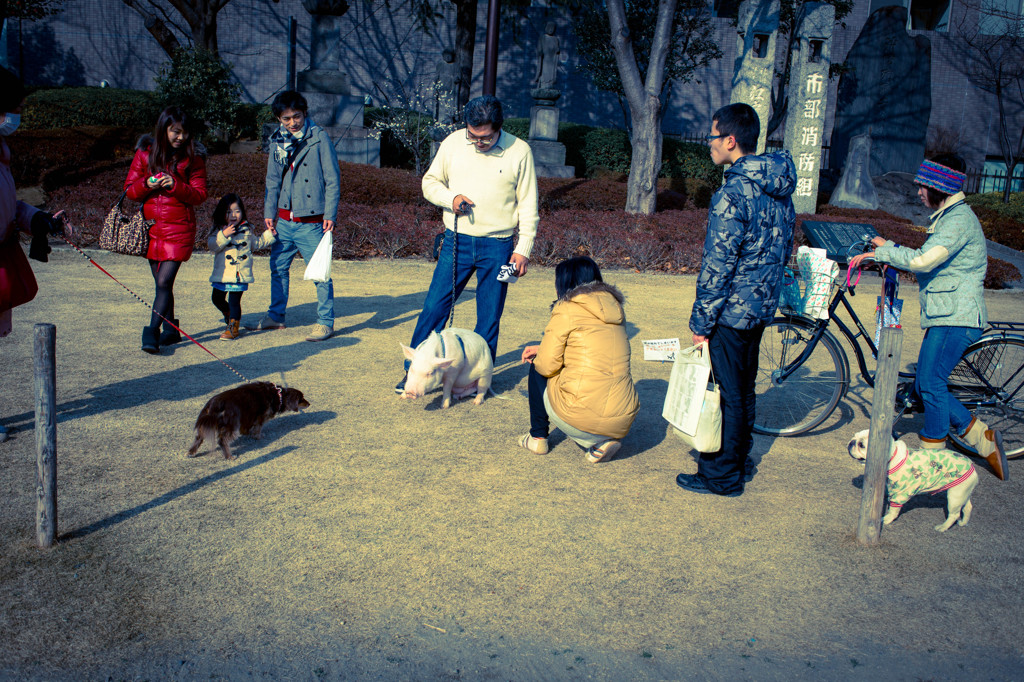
x=286 y=141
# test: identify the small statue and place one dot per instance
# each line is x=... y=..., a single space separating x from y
x=547 y=55
x=855 y=188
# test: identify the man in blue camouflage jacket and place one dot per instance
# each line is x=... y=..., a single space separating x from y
x=749 y=239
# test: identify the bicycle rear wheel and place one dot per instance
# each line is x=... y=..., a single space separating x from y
x=989 y=381
x=805 y=398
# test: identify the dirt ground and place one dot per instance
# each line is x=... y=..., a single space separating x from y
x=375 y=538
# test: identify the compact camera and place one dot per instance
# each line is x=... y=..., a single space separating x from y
x=507 y=273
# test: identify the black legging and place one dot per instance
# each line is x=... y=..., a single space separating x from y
x=232 y=308
x=164 y=273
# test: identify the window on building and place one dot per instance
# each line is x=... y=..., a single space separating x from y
x=729 y=9
x=814 y=50
x=760 y=47
x=929 y=15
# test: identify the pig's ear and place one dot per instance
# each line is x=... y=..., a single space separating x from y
x=443 y=364
x=409 y=352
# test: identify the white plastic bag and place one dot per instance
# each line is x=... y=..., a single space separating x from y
x=318 y=268
x=818 y=273
x=693 y=405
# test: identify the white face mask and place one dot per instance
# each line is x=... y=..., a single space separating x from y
x=10 y=124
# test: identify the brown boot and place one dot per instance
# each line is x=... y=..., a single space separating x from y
x=988 y=444
x=231 y=333
x=932 y=443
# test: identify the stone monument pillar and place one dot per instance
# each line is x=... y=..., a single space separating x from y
x=327 y=90
x=548 y=152
x=887 y=89
x=754 y=71
x=808 y=97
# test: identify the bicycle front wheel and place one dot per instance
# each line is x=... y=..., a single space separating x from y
x=809 y=394
x=989 y=381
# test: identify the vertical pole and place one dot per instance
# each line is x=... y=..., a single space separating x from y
x=292 y=40
x=877 y=466
x=44 y=370
x=491 y=48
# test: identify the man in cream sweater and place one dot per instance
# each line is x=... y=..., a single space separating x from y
x=487 y=178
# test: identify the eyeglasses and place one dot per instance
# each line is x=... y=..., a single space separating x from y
x=482 y=140
x=709 y=138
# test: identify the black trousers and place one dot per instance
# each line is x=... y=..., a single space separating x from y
x=539 y=422
x=229 y=303
x=734 y=355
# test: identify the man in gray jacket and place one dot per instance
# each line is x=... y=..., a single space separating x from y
x=303 y=189
x=749 y=239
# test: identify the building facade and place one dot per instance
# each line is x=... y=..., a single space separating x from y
x=384 y=54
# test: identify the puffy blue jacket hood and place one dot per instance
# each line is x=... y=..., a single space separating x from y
x=774 y=173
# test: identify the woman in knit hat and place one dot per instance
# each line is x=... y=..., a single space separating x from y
x=950 y=269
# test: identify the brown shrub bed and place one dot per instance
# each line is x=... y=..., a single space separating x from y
x=382 y=214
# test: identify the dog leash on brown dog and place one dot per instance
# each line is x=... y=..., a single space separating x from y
x=148 y=305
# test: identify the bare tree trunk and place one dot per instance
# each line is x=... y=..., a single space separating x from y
x=465 y=43
x=644 y=97
x=157 y=28
x=205 y=34
x=642 y=188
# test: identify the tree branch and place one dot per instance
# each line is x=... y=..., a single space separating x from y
x=660 y=47
x=187 y=10
x=625 y=60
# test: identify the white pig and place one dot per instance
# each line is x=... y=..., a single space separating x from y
x=458 y=360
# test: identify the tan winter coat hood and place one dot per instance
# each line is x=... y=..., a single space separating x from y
x=585 y=355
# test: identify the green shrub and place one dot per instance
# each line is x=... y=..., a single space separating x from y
x=70 y=107
x=994 y=202
x=689 y=160
x=1002 y=223
x=249 y=120
x=597 y=151
x=196 y=80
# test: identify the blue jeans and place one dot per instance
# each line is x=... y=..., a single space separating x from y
x=292 y=239
x=940 y=351
x=483 y=255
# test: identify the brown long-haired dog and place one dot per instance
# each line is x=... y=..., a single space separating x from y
x=243 y=410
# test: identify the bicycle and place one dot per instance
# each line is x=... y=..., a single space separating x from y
x=804 y=372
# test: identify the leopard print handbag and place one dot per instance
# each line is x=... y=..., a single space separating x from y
x=127 y=234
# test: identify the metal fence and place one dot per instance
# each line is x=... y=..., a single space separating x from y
x=979 y=181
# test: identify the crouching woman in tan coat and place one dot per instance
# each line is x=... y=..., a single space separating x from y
x=579 y=380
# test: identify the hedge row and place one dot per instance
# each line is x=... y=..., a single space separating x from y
x=1003 y=223
x=137 y=110
x=383 y=215
x=595 y=151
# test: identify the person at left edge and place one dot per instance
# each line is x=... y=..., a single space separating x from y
x=17 y=283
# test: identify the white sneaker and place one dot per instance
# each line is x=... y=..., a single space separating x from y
x=320 y=332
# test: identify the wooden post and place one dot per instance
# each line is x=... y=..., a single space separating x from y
x=45 y=373
x=876 y=469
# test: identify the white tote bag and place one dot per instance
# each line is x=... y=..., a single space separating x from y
x=693 y=405
x=318 y=268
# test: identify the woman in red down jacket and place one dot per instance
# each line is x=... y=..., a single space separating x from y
x=169 y=176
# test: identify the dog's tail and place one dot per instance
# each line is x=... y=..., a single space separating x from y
x=206 y=429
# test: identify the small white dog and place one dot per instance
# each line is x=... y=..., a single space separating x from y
x=923 y=471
